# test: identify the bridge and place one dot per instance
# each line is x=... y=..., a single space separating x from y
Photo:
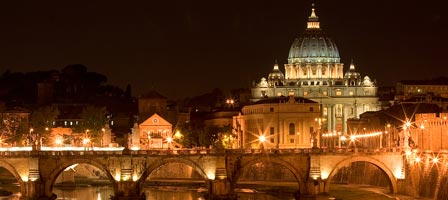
x=127 y=170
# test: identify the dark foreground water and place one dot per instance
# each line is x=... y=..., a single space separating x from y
x=340 y=192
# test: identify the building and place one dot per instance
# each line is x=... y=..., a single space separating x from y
x=434 y=91
x=314 y=71
x=154 y=132
x=279 y=122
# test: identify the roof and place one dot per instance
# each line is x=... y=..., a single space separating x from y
x=283 y=99
x=153 y=95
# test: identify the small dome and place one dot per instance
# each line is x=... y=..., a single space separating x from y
x=352 y=73
x=313 y=45
x=276 y=74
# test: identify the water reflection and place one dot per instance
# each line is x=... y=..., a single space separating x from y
x=172 y=193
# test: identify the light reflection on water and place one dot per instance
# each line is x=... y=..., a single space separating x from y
x=171 y=193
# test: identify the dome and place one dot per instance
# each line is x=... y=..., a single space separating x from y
x=313 y=45
x=352 y=73
x=276 y=74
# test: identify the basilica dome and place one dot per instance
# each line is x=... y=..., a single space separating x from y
x=313 y=46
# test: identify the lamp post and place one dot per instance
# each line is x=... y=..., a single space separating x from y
x=262 y=140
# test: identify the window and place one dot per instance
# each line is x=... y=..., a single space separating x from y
x=292 y=128
x=271 y=131
x=311 y=109
x=350 y=93
x=272 y=140
x=311 y=129
x=338 y=92
x=324 y=111
x=271 y=109
x=291 y=141
x=305 y=93
x=324 y=93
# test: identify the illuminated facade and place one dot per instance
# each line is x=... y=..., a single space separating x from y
x=282 y=122
x=314 y=71
x=154 y=132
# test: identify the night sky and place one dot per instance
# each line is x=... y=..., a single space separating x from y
x=188 y=47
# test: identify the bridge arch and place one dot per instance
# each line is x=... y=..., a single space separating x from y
x=69 y=162
x=163 y=161
x=348 y=161
x=16 y=175
x=300 y=178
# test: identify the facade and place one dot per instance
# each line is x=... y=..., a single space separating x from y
x=284 y=122
x=430 y=131
x=433 y=91
x=154 y=132
x=314 y=71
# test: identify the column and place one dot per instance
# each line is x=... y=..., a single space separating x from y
x=333 y=118
x=344 y=120
x=329 y=118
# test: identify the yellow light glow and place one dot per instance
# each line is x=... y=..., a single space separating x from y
x=126 y=178
x=134 y=177
x=408 y=153
x=58 y=141
x=169 y=139
x=135 y=148
x=117 y=177
x=211 y=175
x=417 y=159
x=85 y=141
x=324 y=174
x=435 y=160
x=24 y=178
x=262 y=138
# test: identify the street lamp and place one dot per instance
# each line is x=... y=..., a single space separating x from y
x=262 y=139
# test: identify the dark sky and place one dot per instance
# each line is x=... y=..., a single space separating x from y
x=187 y=47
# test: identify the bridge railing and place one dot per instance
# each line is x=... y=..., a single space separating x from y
x=200 y=151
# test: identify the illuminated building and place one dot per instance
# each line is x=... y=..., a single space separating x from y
x=314 y=71
x=154 y=132
x=281 y=122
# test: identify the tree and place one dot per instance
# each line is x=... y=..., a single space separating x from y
x=13 y=128
x=93 y=121
x=41 y=121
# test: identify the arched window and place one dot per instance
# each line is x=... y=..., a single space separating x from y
x=292 y=128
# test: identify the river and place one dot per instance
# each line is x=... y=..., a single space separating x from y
x=340 y=192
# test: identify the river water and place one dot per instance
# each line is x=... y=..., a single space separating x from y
x=342 y=192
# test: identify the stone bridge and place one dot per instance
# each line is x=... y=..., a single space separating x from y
x=313 y=169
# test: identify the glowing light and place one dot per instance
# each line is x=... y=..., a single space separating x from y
x=422 y=126
x=211 y=175
x=374 y=134
x=324 y=174
x=343 y=138
x=408 y=153
x=417 y=159
x=262 y=138
x=58 y=141
x=435 y=160
x=169 y=139
x=126 y=177
x=85 y=141
x=135 y=148
x=134 y=177
x=117 y=177
x=71 y=167
x=24 y=178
